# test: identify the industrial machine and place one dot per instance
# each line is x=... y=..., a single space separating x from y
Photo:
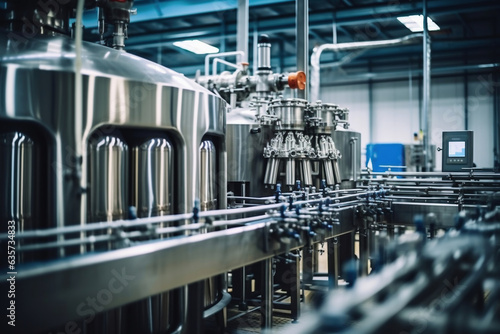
x=115 y=178
x=444 y=285
x=295 y=137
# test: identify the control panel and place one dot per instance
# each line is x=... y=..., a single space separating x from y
x=458 y=150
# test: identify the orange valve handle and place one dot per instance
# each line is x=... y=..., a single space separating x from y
x=297 y=80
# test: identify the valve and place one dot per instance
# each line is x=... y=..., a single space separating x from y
x=277 y=192
x=282 y=211
x=418 y=220
x=132 y=212
x=290 y=203
x=196 y=210
x=297 y=209
x=297 y=80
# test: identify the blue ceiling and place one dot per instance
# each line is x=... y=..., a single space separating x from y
x=469 y=35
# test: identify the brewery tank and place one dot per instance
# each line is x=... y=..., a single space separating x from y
x=348 y=142
x=86 y=166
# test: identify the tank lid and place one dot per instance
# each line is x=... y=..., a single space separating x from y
x=57 y=53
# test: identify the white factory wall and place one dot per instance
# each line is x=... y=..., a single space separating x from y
x=481 y=118
x=355 y=98
x=396 y=112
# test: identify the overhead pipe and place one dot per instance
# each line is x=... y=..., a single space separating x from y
x=317 y=52
x=242 y=29
x=415 y=73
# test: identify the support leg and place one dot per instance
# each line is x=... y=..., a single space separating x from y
x=333 y=263
x=267 y=294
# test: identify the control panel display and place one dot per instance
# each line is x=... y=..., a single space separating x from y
x=457 y=151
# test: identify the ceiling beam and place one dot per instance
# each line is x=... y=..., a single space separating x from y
x=178 y=8
x=344 y=17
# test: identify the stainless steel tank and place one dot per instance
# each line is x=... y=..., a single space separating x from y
x=349 y=144
x=87 y=162
x=152 y=185
x=108 y=201
x=213 y=286
x=119 y=89
x=290 y=112
x=18 y=185
x=208 y=176
x=108 y=178
x=325 y=114
x=245 y=142
x=152 y=177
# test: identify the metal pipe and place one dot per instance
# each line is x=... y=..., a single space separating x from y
x=302 y=33
x=354 y=162
x=124 y=224
x=80 y=149
x=225 y=62
x=333 y=263
x=425 y=121
x=496 y=122
x=371 y=116
x=255 y=42
x=239 y=55
x=317 y=51
x=242 y=29
x=290 y=172
x=403 y=75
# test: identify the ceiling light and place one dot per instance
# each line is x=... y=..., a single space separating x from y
x=416 y=23
x=196 y=46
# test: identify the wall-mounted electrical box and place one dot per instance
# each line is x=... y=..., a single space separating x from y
x=458 y=150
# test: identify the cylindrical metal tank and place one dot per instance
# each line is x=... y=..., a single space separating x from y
x=290 y=112
x=87 y=159
x=245 y=142
x=152 y=185
x=19 y=176
x=349 y=144
x=17 y=153
x=108 y=178
x=208 y=201
x=152 y=177
x=325 y=112
x=208 y=176
x=108 y=198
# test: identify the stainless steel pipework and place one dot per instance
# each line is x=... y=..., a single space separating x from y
x=116 y=13
x=237 y=86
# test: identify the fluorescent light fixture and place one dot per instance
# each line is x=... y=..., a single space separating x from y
x=416 y=23
x=196 y=46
